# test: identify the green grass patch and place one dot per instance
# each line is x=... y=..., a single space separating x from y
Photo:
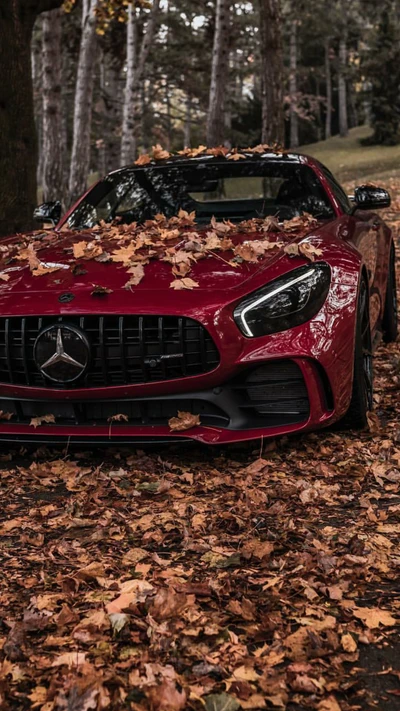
x=351 y=162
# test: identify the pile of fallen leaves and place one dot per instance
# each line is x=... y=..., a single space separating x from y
x=206 y=579
x=174 y=240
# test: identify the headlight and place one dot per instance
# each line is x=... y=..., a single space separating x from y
x=286 y=302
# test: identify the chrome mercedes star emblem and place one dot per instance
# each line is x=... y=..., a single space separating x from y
x=61 y=353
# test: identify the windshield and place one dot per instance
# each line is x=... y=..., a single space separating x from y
x=228 y=190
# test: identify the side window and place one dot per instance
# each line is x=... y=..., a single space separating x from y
x=338 y=192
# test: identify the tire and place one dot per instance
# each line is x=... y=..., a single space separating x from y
x=362 y=392
x=389 y=321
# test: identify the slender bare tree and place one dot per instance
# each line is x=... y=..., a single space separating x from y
x=134 y=77
x=52 y=141
x=271 y=72
x=219 y=71
x=294 y=119
x=80 y=155
x=342 y=89
x=328 y=81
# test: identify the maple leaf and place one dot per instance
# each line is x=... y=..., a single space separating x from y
x=118 y=418
x=44 y=268
x=246 y=252
x=184 y=421
x=218 y=151
x=6 y=415
x=100 y=290
x=292 y=249
x=143 y=159
x=185 y=283
x=29 y=253
x=166 y=696
x=70 y=659
x=374 y=616
x=137 y=273
x=159 y=153
x=124 y=254
x=86 y=250
x=43 y=419
x=4 y=276
x=309 y=251
x=271 y=224
x=236 y=156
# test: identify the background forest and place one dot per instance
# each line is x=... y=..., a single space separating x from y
x=112 y=78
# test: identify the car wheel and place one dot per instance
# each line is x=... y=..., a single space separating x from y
x=389 y=322
x=362 y=393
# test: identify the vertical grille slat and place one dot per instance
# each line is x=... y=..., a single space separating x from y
x=124 y=349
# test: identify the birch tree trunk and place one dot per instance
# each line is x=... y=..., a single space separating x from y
x=342 y=91
x=219 y=71
x=128 y=148
x=17 y=125
x=294 y=121
x=187 y=128
x=132 y=96
x=52 y=143
x=80 y=155
x=328 y=81
x=273 y=128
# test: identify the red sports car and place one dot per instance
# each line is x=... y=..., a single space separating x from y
x=254 y=313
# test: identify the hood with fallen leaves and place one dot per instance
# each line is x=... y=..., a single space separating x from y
x=174 y=254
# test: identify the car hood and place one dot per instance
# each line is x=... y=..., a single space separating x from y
x=55 y=251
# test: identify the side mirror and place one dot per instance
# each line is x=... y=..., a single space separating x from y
x=48 y=212
x=370 y=197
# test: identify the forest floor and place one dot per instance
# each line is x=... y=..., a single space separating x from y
x=259 y=576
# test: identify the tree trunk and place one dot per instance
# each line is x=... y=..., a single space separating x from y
x=128 y=149
x=343 y=121
x=219 y=70
x=328 y=80
x=80 y=155
x=37 y=79
x=294 y=121
x=132 y=99
x=17 y=124
x=187 y=128
x=273 y=129
x=53 y=168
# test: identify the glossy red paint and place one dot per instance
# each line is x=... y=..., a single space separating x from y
x=350 y=244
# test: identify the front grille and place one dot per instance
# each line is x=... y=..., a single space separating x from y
x=124 y=349
x=150 y=412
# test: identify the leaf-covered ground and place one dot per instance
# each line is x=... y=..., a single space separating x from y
x=261 y=576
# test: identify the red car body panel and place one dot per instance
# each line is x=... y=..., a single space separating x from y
x=322 y=347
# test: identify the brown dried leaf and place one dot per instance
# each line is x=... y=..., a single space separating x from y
x=185 y=283
x=43 y=419
x=159 y=153
x=184 y=421
x=100 y=290
x=309 y=251
x=118 y=418
x=143 y=159
x=372 y=617
x=6 y=415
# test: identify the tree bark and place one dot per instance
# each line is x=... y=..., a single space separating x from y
x=187 y=128
x=294 y=120
x=219 y=70
x=132 y=98
x=342 y=92
x=128 y=149
x=328 y=81
x=80 y=155
x=18 y=149
x=273 y=130
x=52 y=145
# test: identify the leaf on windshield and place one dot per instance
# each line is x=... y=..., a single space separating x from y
x=185 y=283
x=43 y=419
x=183 y=421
